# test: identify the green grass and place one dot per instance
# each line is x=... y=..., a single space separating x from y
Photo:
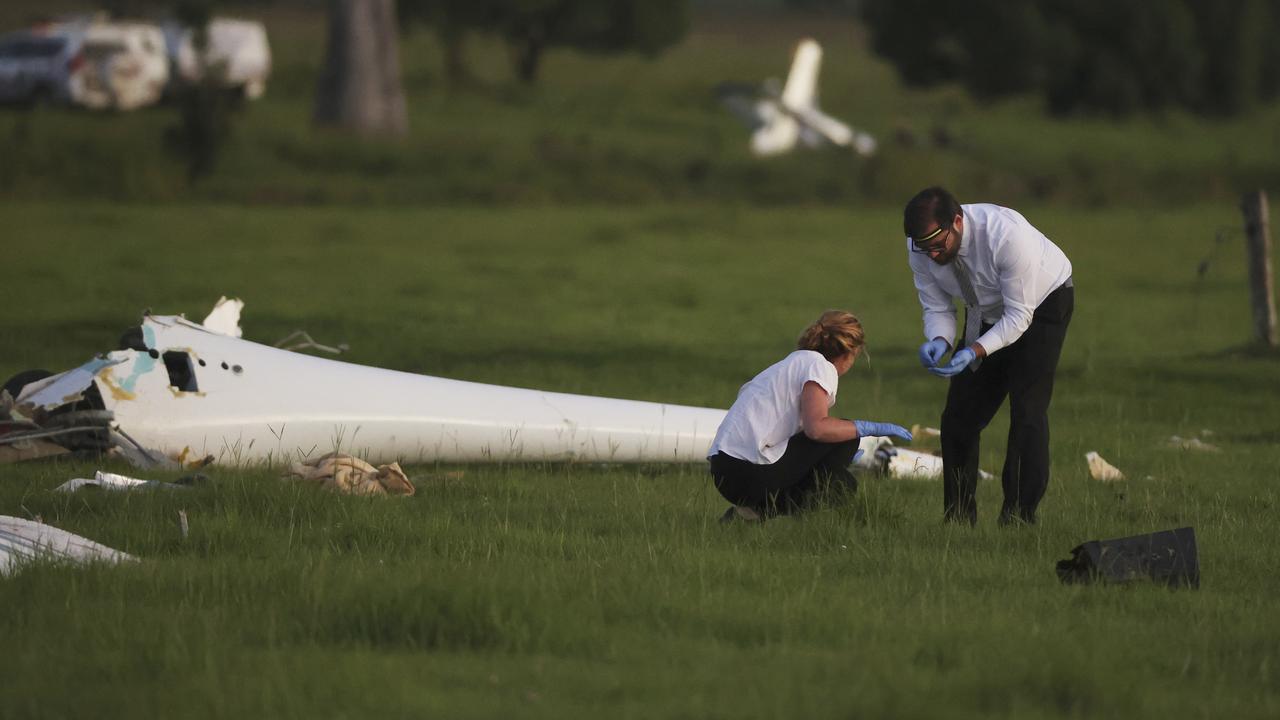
x=581 y=590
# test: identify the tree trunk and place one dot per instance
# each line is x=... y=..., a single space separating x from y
x=359 y=88
x=453 y=42
x=526 y=53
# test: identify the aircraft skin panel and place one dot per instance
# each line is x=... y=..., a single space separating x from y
x=252 y=402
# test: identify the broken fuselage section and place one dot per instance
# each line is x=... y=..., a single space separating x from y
x=179 y=393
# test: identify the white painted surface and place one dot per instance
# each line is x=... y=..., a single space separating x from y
x=257 y=403
x=25 y=541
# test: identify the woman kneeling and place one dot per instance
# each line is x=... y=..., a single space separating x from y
x=777 y=446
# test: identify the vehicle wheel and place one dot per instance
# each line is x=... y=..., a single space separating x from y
x=15 y=384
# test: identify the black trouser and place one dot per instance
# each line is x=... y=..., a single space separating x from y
x=1024 y=372
x=788 y=484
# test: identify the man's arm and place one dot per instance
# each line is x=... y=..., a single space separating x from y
x=1016 y=261
x=939 y=311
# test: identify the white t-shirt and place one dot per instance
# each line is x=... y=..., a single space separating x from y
x=767 y=411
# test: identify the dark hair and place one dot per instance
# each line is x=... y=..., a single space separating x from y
x=930 y=205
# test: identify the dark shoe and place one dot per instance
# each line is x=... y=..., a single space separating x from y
x=1008 y=519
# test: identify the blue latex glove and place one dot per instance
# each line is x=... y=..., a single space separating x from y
x=857 y=456
x=958 y=363
x=867 y=428
x=932 y=351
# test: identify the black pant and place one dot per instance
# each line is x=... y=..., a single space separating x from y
x=788 y=484
x=1023 y=371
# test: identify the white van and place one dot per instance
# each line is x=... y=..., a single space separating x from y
x=125 y=66
x=238 y=54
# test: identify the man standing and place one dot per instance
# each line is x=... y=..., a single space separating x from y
x=1017 y=290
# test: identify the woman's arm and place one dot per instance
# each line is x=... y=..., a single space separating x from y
x=817 y=424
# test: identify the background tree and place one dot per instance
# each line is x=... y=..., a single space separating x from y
x=359 y=88
x=1114 y=56
x=205 y=107
x=453 y=21
x=531 y=27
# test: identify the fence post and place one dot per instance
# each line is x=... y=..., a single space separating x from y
x=1258 y=251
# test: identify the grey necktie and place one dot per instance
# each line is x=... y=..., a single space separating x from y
x=972 y=314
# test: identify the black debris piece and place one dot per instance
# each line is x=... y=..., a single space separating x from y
x=1168 y=558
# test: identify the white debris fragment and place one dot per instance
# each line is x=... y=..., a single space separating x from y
x=1102 y=470
x=111 y=481
x=913 y=464
x=880 y=455
x=1192 y=444
x=869 y=455
x=347 y=474
x=225 y=317
x=920 y=431
x=25 y=541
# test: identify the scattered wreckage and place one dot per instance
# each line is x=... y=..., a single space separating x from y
x=780 y=119
x=23 y=542
x=177 y=393
x=180 y=394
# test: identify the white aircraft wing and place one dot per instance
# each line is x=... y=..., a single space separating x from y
x=825 y=125
x=802 y=81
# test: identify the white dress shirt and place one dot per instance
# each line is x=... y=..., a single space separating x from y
x=767 y=411
x=1013 y=268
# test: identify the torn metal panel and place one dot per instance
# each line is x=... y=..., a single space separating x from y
x=64 y=388
x=225 y=317
x=23 y=542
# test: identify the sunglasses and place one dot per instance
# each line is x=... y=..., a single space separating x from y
x=934 y=241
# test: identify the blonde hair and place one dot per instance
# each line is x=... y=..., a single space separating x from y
x=834 y=334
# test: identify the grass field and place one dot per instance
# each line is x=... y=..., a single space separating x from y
x=578 y=590
x=607 y=233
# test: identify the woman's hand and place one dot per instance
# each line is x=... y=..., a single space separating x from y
x=868 y=428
